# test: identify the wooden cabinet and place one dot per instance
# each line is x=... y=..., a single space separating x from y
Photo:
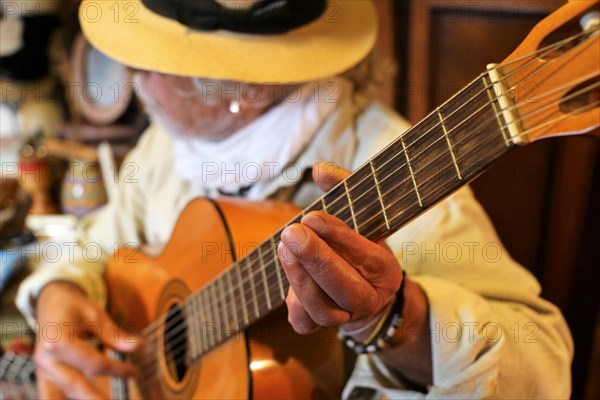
x=542 y=198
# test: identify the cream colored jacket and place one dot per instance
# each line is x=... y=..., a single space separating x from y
x=492 y=335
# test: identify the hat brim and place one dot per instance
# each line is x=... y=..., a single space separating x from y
x=140 y=38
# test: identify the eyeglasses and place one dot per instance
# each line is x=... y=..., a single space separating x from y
x=214 y=92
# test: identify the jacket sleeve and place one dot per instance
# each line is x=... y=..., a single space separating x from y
x=116 y=224
x=492 y=335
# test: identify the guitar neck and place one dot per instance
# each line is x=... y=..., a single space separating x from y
x=443 y=152
x=446 y=150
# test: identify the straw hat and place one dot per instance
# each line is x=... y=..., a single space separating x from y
x=250 y=41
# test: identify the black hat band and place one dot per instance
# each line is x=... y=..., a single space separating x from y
x=263 y=17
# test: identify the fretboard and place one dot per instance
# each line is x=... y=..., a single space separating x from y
x=446 y=150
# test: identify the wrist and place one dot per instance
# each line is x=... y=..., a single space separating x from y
x=379 y=332
x=411 y=357
x=362 y=329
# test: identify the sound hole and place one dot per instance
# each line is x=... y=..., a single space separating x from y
x=175 y=343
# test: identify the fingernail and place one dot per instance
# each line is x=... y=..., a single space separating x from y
x=294 y=238
x=315 y=222
x=285 y=255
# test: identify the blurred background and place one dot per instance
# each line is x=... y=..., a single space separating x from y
x=68 y=116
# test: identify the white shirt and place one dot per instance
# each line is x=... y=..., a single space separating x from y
x=492 y=334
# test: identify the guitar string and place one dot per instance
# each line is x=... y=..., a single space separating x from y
x=445 y=118
x=483 y=91
x=545 y=50
x=415 y=157
x=261 y=293
x=441 y=138
x=181 y=350
x=219 y=301
x=506 y=76
x=226 y=338
x=498 y=115
x=576 y=93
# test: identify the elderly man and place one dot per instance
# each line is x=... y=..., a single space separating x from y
x=282 y=85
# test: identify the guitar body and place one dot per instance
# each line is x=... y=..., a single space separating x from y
x=446 y=150
x=268 y=361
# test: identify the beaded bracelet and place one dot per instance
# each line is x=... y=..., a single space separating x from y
x=376 y=341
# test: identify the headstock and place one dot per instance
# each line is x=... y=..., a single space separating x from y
x=553 y=77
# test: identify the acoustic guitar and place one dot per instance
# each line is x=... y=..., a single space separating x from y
x=209 y=308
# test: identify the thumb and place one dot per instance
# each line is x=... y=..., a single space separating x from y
x=327 y=175
x=112 y=335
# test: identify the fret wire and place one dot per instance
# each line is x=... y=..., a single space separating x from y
x=415 y=128
x=419 y=124
x=201 y=320
x=264 y=275
x=439 y=112
x=447 y=166
x=225 y=325
x=412 y=175
x=199 y=303
x=392 y=174
x=213 y=306
x=252 y=287
x=396 y=222
x=404 y=146
x=348 y=221
x=430 y=130
x=273 y=242
x=324 y=205
x=551 y=47
x=217 y=310
x=209 y=320
x=479 y=145
x=231 y=291
x=422 y=164
x=191 y=325
x=374 y=174
x=351 y=206
x=241 y=290
x=277 y=267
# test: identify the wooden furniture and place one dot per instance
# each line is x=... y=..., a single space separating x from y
x=538 y=195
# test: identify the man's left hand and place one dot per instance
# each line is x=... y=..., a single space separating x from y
x=337 y=277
